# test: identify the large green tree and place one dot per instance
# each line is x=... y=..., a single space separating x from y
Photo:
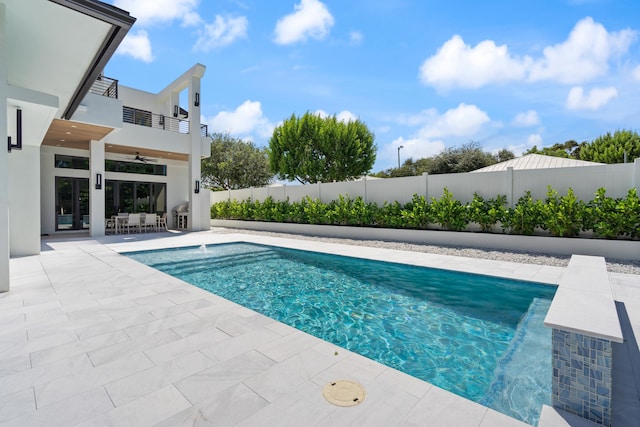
x=312 y=149
x=234 y=164
x=609 y=148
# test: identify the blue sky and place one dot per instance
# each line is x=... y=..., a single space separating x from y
x=422 y=74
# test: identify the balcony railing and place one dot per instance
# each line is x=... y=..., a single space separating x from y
x=105 y=86
x=152 y=120
x=204 y=130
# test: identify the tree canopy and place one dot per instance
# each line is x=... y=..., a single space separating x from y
x=313 y=149
x=609 y=148
x=606 y=148
x=466 y=158
x=569 y=150
x=235 y=164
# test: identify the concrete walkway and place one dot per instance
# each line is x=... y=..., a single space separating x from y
x=91 y=338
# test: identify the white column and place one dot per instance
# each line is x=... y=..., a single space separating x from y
x=195 y=220
x=96 y=195
x=4 y=159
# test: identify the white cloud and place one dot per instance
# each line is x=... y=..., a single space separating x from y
x=636 y=73
x=150 y=12
x=416 y=148
x=596 y=98
x=457 y=64
x=534 y=139
x=244 y=120
x=355 y=38
x=526 y=119
x=310 y=19
x=464 y=120
x=342 y=116
x=221 y=32
x=584 y=55
x=519 y=148
x=137 y=46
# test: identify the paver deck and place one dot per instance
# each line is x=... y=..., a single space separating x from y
x=90 y=337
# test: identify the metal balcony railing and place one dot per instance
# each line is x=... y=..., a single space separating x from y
x=152 y=120
x=105 y=86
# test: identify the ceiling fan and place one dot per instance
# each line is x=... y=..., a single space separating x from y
x=142 y=159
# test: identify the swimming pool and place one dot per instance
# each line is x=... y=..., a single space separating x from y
x=477 y=336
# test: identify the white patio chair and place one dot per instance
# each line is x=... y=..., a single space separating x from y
x=150 y=221
x=133 y=222
x=162 y=222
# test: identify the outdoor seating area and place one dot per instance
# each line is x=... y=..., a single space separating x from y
x=136 y=223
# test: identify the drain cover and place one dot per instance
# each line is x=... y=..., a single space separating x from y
x=344 y=393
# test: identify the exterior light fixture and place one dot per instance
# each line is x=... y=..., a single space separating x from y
x=197 y=100
x=176 y=109
x=399 y=147
x=197 y=189
x=98 y=181
x=18 y=144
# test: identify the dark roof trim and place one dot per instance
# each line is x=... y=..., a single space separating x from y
x=121 y=23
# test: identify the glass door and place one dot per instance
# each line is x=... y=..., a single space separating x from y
x=72 y=203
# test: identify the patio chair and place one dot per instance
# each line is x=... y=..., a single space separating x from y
x=110 y=226
x=150 y=221
x=162 y=222
x=133 y=222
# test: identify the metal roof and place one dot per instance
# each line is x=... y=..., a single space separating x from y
x=536 y=161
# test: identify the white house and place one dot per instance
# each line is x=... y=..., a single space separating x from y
x=81 y=147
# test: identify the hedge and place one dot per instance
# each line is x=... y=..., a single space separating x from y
x=564 y=216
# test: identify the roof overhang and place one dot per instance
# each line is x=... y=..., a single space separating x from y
x=59 y=47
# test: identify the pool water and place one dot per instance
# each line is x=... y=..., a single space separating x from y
x=480 y=337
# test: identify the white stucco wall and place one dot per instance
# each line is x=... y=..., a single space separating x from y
x=4 y=160
x=24 y=199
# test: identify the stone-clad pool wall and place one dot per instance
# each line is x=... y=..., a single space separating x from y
x=581 y=381
x=584 y=321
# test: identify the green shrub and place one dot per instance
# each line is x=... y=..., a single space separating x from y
x=448 y=212
x=525 y=216
x=487 y=213
x=417 y=213
x=562 y=216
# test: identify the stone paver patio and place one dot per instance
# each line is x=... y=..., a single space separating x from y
x=90 y=337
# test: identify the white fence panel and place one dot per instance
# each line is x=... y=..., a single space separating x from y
x=298 y=192
x=463 y=185
x=333 y=190
x=584 y=181
x=396 y=189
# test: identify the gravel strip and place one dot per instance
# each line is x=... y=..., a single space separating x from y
x=613 y=265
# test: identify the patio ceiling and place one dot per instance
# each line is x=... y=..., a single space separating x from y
x=68 y=134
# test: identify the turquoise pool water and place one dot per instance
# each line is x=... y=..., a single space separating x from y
x=477 y=336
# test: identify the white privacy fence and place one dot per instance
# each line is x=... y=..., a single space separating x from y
x=617 y=179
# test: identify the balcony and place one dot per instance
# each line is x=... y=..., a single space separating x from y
x=153 y=120
x=105 y=86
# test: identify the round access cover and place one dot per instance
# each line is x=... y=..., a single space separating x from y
x=344 y=393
